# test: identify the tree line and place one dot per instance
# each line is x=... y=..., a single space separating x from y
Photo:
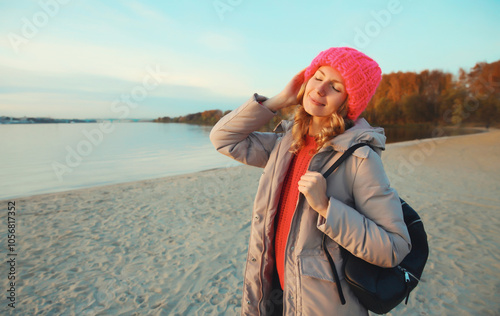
x=404 y=98
x=201 y=118
x=437 y=97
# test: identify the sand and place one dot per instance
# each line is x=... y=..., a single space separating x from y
x=177 y=245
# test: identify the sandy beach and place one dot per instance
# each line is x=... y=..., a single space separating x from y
x=177 y=245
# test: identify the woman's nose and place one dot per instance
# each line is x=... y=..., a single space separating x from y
x=321 y=89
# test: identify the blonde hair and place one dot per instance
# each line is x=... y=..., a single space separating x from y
x=336 y=125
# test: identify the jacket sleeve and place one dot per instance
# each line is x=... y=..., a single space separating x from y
x=235 y=134
x=375 y=231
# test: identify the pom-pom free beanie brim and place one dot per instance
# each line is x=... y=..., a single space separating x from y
x=361 y=75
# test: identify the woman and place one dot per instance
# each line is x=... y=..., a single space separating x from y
x=287 y=271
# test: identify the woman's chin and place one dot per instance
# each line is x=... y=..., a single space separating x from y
x=315 y=111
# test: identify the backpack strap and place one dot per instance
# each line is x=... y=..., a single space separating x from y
x=337 y=163
x=344 y=156
x=334 y=270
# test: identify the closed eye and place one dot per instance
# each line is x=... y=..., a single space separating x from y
x=333 y=86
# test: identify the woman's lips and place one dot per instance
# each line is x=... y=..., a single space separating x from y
x=315 y=102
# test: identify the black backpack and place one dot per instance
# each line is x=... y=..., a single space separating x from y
x=381 y=289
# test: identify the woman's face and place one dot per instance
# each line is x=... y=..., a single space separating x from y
x=325 y=92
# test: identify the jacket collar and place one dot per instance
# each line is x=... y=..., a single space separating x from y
x=361 y=132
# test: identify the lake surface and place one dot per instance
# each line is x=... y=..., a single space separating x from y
x=43 y=158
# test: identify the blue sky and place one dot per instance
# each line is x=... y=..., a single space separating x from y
x=146 y=59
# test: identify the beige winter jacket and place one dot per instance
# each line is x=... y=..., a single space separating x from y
x=364 y=215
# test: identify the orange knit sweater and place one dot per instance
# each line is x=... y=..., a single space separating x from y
x=288 y=202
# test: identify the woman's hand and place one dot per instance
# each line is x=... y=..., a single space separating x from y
x=288 y=96
x=313 y=186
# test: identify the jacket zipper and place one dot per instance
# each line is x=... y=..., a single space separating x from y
x=261 y=277
x=285 y=292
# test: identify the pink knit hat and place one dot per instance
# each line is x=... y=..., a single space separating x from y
x=361 y=75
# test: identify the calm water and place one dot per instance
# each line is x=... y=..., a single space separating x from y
x=43 y=158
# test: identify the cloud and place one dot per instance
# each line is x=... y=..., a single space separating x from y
x=91 y=53
x=59 y=58
x=56 y=105
x=52 y=59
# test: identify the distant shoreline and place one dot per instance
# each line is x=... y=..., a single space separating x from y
x=8 y=120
